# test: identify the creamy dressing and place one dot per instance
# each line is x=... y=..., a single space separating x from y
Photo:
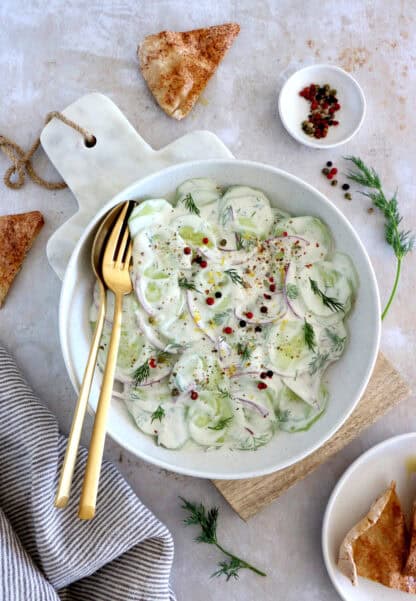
x=237 y=311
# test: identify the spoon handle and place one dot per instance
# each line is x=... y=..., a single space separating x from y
x=95 y=454
x=67 y=471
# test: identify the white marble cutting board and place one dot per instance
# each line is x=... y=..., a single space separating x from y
x=119 y=158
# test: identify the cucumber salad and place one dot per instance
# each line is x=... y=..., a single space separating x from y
x=237 y=310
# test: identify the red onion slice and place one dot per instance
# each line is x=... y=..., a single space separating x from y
x=255 y=406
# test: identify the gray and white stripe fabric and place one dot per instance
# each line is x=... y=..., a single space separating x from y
x=46 y=554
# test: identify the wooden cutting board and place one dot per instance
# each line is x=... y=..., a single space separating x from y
x=385 y=390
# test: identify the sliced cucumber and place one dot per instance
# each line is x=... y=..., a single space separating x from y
x=288 y=351
x=293 y=414
x=312 y=229
x=323 y=279
x=206 y=415
x=202 y=189
x=193 y=230
x=247 y=211
x=149 y=213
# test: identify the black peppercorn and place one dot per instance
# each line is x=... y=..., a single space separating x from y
x=218 y=295
x=269 y=373
x=345 y=186
x=329 y=164
x=257 y=329
x=243 y=323
x=263 y=309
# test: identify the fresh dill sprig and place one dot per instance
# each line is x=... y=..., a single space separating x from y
x=244 y=351
x=309 y=335
x=208 y=522
x=337 y=341
x=189 y=203
x=234 y=276
x=221 y=424
x=158 y=414
x=328 y=301
x=184 y=283
x=401 y=241
x=317 y=363
x=141 y=373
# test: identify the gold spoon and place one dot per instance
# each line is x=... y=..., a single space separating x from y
x=64 y=486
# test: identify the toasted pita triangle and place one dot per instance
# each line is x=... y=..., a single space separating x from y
x=17 y=233
x=178 y=65
x=376 y=547
x=410 y=567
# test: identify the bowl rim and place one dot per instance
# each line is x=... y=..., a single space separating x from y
x=128 y=192
x=308 y=142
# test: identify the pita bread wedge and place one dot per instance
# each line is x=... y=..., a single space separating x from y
x=376 y=547
x=178 y=65
x=410 y=567
x=17 y=233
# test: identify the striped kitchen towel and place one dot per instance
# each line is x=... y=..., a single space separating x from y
x=48 y=554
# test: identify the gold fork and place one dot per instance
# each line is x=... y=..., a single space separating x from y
x=116 y=275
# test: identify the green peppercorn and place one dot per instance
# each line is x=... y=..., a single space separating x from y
x=333 y=92
x=334 y=182
x=347 y=196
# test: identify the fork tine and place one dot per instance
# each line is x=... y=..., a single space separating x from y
x=122 y=248
x=128 y=256
x=111 y=245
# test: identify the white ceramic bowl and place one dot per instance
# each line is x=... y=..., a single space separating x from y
x=363 y=482
x=293 y=109
x=346 y=379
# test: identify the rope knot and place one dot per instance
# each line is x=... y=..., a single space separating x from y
x=22 y=161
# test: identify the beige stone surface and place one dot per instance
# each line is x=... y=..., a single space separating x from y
x=53 y=52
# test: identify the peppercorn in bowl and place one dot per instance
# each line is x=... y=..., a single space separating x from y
x=322 y=106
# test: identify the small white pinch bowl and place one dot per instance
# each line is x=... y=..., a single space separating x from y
x=294 y=109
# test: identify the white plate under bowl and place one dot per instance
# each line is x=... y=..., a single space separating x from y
x=363 y=482
x=346 y=379
x=293 y=109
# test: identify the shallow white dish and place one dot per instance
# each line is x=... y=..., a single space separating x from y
x=293 y=109
x=346 y=379
x=364 y=481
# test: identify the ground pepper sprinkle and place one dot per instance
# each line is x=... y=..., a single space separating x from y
x=323 y=105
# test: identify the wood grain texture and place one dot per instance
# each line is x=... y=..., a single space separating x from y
x=385 y=390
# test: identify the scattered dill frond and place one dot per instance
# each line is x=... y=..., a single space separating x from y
x=234 y=276
x=190 y=205
x=401 y=241
x=337 y=341
x=207 y=520
x=141 y=373
x=328 y=301
x=221 y=424
x=219 y=318
x=292 y=291
x=184 y=283
x=317 y=362
x=244 y=351
x=158 y=414
x=252 y=443
x=309 y=335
